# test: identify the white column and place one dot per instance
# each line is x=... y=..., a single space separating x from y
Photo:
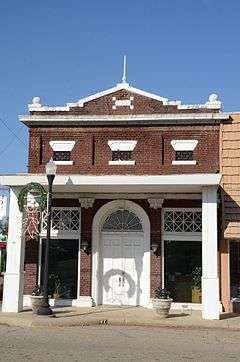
x=210 y=280
x=14 y=276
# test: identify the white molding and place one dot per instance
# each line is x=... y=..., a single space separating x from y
x=86 y=203
x=118 y=180
x=66 y=163
x=143 y=119
x=99 y=218
x=184 y=162
x=155 y=203
x=184 y=145
x=127 y=196
x=121 y=162
x=62 y=145
x=122 y=145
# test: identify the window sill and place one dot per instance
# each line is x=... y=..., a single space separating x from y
x=63 y=162
x=184 y=162
x=119 y=162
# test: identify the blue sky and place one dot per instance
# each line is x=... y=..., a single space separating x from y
x=64 y=50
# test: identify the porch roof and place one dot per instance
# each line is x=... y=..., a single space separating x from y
x=118 y=183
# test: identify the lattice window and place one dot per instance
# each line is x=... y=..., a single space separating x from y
x=184 y=155
x=67 y=220
x=121 y=155
x=122 y=220
x=182 y=221
x=61 y=156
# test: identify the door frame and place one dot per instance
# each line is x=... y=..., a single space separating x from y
x=98 y=220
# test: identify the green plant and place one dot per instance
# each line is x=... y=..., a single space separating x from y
x=55 y=285
x=36 y=291
x=197 y=277
x=161 y=293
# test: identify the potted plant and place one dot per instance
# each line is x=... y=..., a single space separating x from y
x=55 y=286
x=36 y=298
x=162 y=302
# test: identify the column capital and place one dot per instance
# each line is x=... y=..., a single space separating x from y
x=86 y=203
x=155 y=203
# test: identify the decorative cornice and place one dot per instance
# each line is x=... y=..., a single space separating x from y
x=86 y=203
x=155 y=203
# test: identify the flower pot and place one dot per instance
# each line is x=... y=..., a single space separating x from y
x=36 y=302
x=162 y=306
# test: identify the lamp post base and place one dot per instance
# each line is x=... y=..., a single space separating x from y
x=44 y=309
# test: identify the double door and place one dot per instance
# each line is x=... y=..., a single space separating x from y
x=122 y=268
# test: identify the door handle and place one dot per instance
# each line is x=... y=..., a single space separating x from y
x=119 y=281
x=123 y=281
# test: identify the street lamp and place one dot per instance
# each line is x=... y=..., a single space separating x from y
x=51 y=169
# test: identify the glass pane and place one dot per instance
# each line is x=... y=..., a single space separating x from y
x=122 y=220
x=63 y=268
x=182 y=270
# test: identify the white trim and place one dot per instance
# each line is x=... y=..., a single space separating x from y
x=121 y=162
x=63 y=163
x=184 y=145
x=118 y=180
x=99 y=218
x=62 y=145
x=143 y=119
x=127 y=196
x=122 y=145
x=184 y=162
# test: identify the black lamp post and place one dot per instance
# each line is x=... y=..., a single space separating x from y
x=51 y=169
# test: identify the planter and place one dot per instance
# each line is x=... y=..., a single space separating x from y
x=36 y=302
x=162 y=306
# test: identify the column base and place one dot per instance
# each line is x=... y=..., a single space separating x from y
x=13 y=293
x=83 y=301
x=210 y=298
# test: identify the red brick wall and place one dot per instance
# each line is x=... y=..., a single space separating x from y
x=31 y=265
x=153 y=153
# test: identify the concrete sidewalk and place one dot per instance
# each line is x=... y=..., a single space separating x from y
x=129 y=316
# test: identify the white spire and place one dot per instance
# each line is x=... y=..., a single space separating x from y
x=124 y=77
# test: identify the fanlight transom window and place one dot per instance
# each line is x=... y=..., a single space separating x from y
x=122 y=220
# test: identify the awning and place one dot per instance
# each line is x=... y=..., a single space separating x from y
x=118 y=183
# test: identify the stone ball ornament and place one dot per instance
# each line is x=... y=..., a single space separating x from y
x=36 y=100
x=213 y=97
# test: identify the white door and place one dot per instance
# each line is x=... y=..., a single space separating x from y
x=122 y=255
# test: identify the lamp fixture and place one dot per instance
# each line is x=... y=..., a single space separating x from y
x=155 y=247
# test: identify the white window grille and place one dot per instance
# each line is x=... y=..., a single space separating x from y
x=179 y=221
x=122 y=220
x=65 y=220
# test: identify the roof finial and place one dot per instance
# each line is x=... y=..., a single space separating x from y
x=124 y=78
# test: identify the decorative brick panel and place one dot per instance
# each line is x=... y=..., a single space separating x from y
x=153 y=153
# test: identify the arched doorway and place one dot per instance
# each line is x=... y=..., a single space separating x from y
x=121 y=254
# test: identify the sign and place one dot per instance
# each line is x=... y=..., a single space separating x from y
x=3 y=207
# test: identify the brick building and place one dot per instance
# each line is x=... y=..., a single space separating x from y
x=136 y=202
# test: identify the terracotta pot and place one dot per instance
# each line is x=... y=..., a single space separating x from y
x=36 y=302
x=162 y=306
